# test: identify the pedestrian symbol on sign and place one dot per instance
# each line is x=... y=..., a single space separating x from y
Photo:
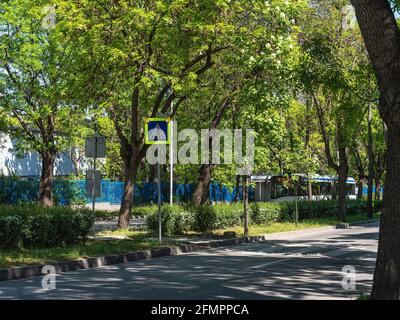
x=157 y=131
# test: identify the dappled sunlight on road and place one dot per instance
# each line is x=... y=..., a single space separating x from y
x=304 y=266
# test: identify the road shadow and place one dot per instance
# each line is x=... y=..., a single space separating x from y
x=274 y=269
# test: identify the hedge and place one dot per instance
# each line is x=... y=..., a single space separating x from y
x=175 y=219
x=10 y=231
x=41 y=227
x=319 y=209
x=267 y=212
x=178 y=219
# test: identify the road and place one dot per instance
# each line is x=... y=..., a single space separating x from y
x=297 y=265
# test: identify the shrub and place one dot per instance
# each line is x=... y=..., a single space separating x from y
x=356 y=207
x=205 y=219
x=316 y=209
x=106 y=215
x=265 y=213
x=184 y=221
x=179 y=219
x=57 y=229
x=325 y=208
x=10 y=231
x=144 y=211
x=228 y=215
x=175 y=219
x=37 y=226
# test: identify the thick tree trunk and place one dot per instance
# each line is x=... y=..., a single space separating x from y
x=46 y=179
x=201 y=194
x=387 y=272
x=382 y=38
x=131 y=167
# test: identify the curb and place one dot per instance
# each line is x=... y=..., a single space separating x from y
x=360 y=223
x=22 y=272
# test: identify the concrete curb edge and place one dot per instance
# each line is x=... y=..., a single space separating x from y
x=22 y=272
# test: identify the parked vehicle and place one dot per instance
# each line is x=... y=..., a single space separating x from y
x=289 y=187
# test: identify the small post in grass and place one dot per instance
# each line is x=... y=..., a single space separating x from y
x=94 y=170
x=245 y=205
x=297 y=185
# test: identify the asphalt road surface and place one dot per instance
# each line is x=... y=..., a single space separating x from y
x=296 y=265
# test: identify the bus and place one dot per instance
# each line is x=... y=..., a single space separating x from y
x=281 y=188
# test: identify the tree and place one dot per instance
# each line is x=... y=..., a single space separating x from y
x=260 y=66
x=329 y=70
x=201 y=192
x=382 y=39
x=142 y=57
x=37 y=87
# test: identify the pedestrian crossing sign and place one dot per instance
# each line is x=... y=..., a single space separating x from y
x=157 y=130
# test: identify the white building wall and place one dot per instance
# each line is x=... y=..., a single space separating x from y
x=30 y=164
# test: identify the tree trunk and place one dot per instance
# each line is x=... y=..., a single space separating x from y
x=237 y=189
x=343 y=172
x=309 y=188
x=371 y=173
x=382 y=38
x=201 y=194
x=334 y=189
x=131 y=167
x=245 y=207
x=361 y=172
x=360 y=192
x=377 y=189
x=153 y=173
x=387 y=272
x=46 y=179
x=380 y=167
x=370 y=204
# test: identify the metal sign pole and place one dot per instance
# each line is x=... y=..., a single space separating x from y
x=159 y=198
x=157 y=132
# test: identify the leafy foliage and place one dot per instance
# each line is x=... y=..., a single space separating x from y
x=181 y=219
x=34 y=226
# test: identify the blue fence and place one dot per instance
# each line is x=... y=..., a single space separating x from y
x=68 y=192
x=365 y=190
